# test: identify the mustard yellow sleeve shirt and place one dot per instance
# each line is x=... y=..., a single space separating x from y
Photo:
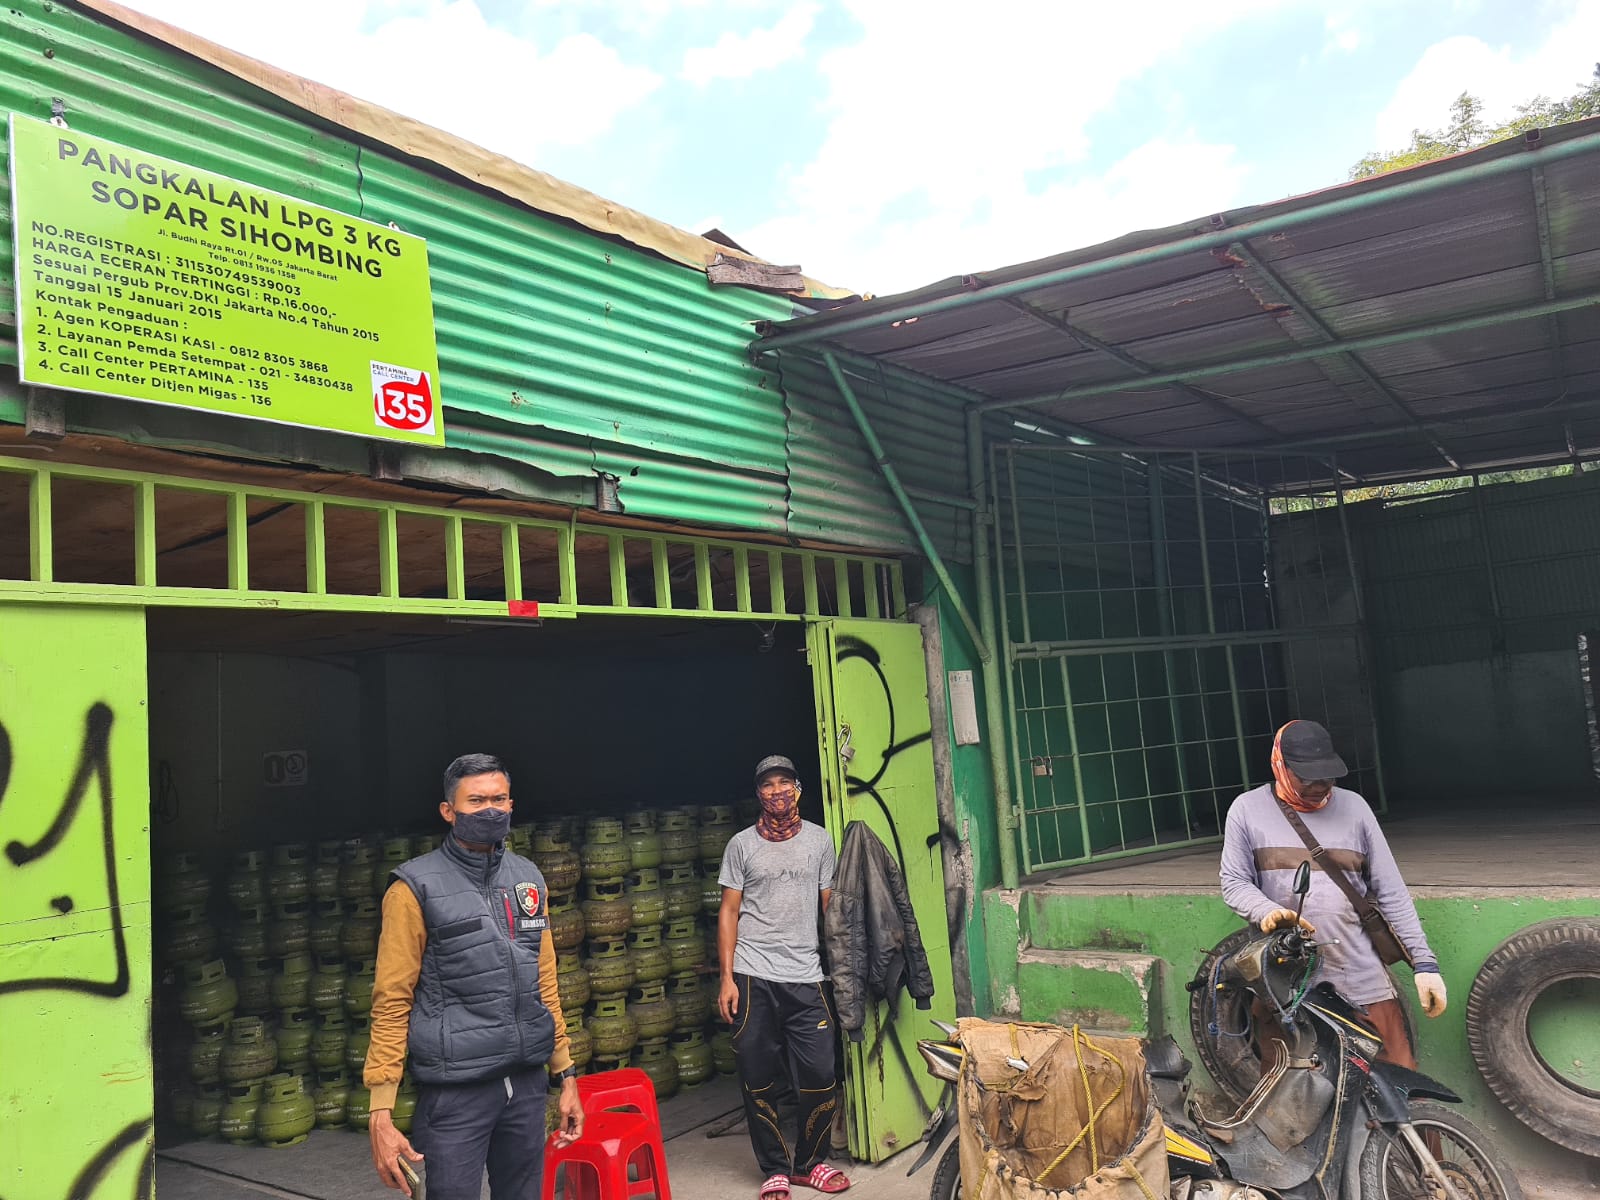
x=400 y=946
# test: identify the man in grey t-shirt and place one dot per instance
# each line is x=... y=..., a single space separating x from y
x=776 y=879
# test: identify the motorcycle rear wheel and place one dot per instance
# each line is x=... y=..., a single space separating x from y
x=947 y=1178
x=1389 y=1170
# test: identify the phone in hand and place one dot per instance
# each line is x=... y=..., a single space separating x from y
x=411 y=1177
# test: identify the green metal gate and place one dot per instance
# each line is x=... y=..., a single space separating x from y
x=74 y=903
x=1162 y=614
x=876 y=744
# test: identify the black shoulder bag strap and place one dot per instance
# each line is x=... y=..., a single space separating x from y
x=1389 y=947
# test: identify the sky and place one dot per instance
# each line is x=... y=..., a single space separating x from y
x=883 y=145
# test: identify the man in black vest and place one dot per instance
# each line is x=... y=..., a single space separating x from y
x=466 y=990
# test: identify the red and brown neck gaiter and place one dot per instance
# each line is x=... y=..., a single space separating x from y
x=1290 y=790
x=780 y=815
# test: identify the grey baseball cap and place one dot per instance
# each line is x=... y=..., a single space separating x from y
x=776 y=762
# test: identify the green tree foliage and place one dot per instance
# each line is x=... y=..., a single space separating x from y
x=1468 y=129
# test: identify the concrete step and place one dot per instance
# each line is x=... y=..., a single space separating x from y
x=1112 y=992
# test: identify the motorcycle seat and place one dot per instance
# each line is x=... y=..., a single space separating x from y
x=1164 y=1060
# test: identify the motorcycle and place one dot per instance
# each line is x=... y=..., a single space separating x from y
x=1326 y=1119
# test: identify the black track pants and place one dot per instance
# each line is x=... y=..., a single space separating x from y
x=774 y=1020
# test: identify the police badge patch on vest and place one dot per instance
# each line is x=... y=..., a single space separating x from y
x=531 y=903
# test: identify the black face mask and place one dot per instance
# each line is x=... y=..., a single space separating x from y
x=486 y=827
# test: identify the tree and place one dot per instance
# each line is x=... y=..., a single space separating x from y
x=1467 y=128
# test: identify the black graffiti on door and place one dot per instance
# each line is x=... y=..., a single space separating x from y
x=94 y=767
x=94 y=1171
x=850 y=647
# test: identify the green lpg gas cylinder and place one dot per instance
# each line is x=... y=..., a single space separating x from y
x=205 y=1052
x=208 y=994
x=289 y=875
x=287 y=1112
x=237 y=1120
x=249 y=1053
x=330 y=1098
x=693 y=1056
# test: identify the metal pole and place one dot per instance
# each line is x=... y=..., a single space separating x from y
x=994 y=710
x=1364 y=648
x=1211 y=622
x=1077 y=761
x=892 y=478
x=992 y=499
x=1089 y=647
x=1493 y=583
x=1163 y=582
x=1352 y=198
x=1372 y=341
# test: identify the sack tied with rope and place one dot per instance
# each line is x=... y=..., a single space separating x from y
x=1077 y=1120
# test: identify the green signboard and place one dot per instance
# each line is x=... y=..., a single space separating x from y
x=141 y=277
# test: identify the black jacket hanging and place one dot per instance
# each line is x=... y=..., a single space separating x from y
x=874 y=947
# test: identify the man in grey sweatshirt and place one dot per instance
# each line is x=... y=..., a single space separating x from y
x=1261 y=852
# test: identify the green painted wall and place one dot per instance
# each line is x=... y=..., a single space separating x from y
x=976 y=823
x=75 y=1072
x=1178 y=929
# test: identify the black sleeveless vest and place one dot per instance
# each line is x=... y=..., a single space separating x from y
x=477 y=1012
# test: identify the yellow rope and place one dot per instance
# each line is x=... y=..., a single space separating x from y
x=1080 y=1040
x=1139 y=1179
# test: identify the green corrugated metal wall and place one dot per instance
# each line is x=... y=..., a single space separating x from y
x=1474 y=605
x=557 y=346
x=1460 y=577
x=835 y=490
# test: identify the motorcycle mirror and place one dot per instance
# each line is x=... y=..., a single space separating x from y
x=1302 y=888
x=1302 y=880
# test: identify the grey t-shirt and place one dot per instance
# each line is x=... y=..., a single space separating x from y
x=782 y=884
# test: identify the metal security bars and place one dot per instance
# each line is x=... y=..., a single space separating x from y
x=1163 y=614
x=92 y=535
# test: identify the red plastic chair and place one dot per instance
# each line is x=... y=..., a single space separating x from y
x=619 y=1157
x=626 y=1088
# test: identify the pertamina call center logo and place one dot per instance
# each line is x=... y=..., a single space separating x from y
x=402 y=398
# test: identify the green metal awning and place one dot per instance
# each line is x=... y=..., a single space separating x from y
x=1439 y=320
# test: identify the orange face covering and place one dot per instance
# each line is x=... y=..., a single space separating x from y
x=1290 y=789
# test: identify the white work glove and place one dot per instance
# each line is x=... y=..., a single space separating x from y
x=1280 y=917
x=1430 y=991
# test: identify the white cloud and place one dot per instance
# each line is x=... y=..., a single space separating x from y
x=1156 y=184
x=739 y=56
x=940 y=129
x=439 y=61
x=1343 y=35
x=1499 y=76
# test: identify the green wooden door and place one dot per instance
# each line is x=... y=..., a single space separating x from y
x=877 y=767
x=75 y=1070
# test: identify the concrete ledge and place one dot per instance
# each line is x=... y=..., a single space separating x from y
x=1113 y=992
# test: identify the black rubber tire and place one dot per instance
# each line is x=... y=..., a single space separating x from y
x=1232 y=1061
x=947 y=1176
x=1468 y=1149
x=1510 y=981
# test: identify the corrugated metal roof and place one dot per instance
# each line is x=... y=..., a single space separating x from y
x=558 y=348
x=1436 y=244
